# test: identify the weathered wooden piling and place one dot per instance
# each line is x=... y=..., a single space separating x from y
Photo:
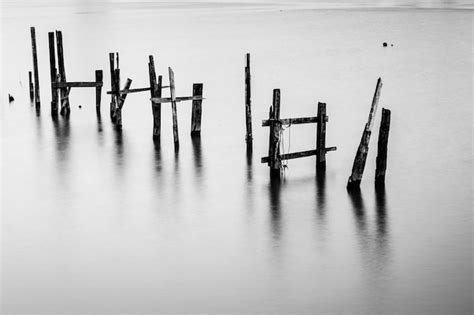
x=31 y=86
x=112 y=84
x=35 y=66
x=196 y=110
x=361 y=155
x=321 y=137
x=173 y=108
x=99 y=75
x=118 y=111
x=53 y=74
x=382 y=148
x=275 y=132
x=248 y=109
x=64 y=91
x=155 y=91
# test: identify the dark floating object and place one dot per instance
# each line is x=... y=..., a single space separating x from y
x=384 y=44
x=10 y=98
x=391 y=45
x=80 y=106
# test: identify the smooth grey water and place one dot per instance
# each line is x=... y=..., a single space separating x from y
x=97 y=222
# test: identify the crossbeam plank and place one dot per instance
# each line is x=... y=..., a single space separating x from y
x=59 y=85
x=177 y=99
x=292 y=121
x=132 y=90
x=295 y=155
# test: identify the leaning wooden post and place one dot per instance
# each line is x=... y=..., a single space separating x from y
x=99 y=75
x=173 y=108
x=112 y=84
x=155 y=91
x=321 y=138
x=53 y=75
x=65 y=109
x=32 y=91
x=361 y=155
x=248 y=109
x=275 y=133
x=382 y=147
x=123 y=96
x=196 y=110
x=35 y=66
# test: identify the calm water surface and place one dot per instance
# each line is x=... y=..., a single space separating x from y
x=99 y=222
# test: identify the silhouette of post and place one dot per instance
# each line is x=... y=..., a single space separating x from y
x=248 y=109
x=35 y=66
x=196 y=110
x=382 y=147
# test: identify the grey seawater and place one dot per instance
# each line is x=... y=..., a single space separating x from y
x=99 y=222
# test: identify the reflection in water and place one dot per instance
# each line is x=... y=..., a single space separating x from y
x=119 y=150
x=275 y=209
x=381 y=222
x=321 y=197
x=157 y=152
x=359 y=212
x=197 y=154
x=249 y=165
x=62 y=134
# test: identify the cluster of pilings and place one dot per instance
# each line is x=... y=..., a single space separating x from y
x=60 y=85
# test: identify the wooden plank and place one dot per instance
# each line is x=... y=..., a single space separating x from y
x=248 y=108
x=177 y=99
x=78 y=84
x=35 y=66
x=173 y=108
x=155 y=91
x=361 y=155
x=32 y=88
x=381 y=161
x=131 y=91
x=112 y=83
x=196 y=112
x=99 y=75
x=118 y=115
x=274 y=140
x=65 y=108
x=321 y=137
x=53 y=74
x=295 y=155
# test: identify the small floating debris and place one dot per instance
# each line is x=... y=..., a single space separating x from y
x=384 y=44
x=10 y=98
x=80 y=106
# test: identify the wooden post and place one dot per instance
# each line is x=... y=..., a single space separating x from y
x=53 y=74
x=248 y=109
x=32 y=92
x=196 y=110
x=123 y=96
x=321 y=137
x=275 y=131
x=99 y=75
x=112 y=84
x=115 y=95
x=65 y=109
x=35 y=66
x=361 y=155
x=382 y=147
x=173 y=108
x=155 y=91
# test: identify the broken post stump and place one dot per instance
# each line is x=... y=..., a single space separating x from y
x=248 y=109
x=30 y=84
x=173 y=108
x=112 y=84
x=155 y=91
x=321 y=137
x=35 y=66
x=381 y=161
x=118 y=111
x=275 y=132
x=196 y=110
x=64 y=92
x=99 y=75
x=53 y=74
x=361 y=155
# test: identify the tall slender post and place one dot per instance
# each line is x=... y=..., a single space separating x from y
x=173 y=108
x=155 y=91
x=321 y=138
x=382 y=147
x=361 y=155
x=248 y=109
x=275 y=132
x=35 y=66
x=99 y=75
x=53 y=75
x=112 y=84
x=196 y=113
x=123 y=96
x=65 y=109
x=32 y=91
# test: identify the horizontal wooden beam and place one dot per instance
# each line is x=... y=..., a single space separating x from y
x=292 y=121
x=59 y=85
x=178 y=99
x=136 y=90
x=296 y=155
